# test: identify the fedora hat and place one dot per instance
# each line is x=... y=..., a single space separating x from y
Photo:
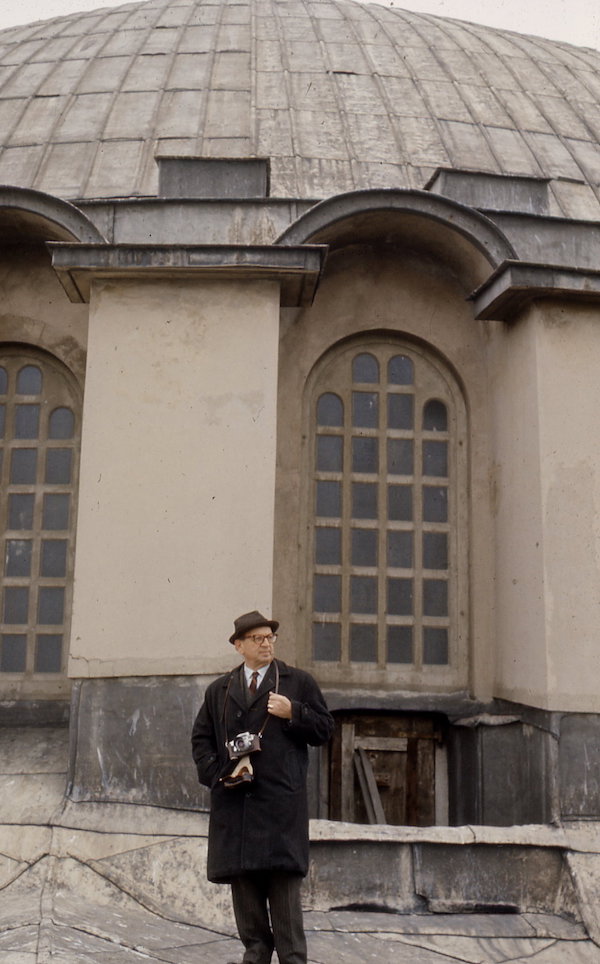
x=243 y=624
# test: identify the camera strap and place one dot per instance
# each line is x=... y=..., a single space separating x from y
x=276 y=690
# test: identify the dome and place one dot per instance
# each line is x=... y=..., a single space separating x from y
x=340 y=96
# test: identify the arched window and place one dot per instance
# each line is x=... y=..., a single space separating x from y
x=387 y=560
x=39 y=455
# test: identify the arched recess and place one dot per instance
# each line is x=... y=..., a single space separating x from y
x=463 y=239
x=33 y=216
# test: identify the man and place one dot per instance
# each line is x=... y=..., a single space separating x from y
x=258 y=831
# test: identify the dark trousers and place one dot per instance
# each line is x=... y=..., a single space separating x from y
x=285 y=932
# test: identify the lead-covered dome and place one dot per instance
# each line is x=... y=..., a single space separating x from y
x=340 y=95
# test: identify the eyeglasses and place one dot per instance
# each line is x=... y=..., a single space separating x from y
x=260 y=639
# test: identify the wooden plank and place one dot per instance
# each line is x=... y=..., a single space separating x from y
x=368 y=786
x=387 y=743
x=347 y=774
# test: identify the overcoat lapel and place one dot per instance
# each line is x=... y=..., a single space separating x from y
x=237 y=690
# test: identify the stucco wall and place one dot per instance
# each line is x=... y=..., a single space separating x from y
x=177 y=475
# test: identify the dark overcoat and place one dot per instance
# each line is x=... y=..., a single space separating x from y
x=262 y=825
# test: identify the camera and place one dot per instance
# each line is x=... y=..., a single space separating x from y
x=241 y=744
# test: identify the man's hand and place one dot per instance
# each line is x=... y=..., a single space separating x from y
x=280 y=706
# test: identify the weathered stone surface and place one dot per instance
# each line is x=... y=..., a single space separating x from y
x=579 y=765
x=585 y=869
x=355 y=875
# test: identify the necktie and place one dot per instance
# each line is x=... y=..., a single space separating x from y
x=253 y=682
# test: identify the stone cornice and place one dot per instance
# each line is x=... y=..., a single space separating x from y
x=514 y=284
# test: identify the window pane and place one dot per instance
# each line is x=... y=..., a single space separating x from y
x=435 y=416
x=400 y=456
x=48 y=654
x=327 y=641
x=365 y=368
x=364 y=500
x=3 y=381
x=56 y=512
x=365 y=455
x=16 y=604
x=330 y=453
x=364 y=547
x=435 y=646
x=399 y=644
x=329 y=499
x=401 y=412
x=23 y=466
x=58 y=466
x=51 y=605
x=62 y=423
x=400 y=597
x=435 y=550
x=27 y=419
x=435 y=597
x=14 y=654
x=435 y=503
x=435 y=458
x=400 y=370
x=330 y=410
x=29 y=380
x=20 y=511
x=363 y=643
x=328 y=546
x=363 y=594
x=53 y=560
x=18 y=557
x=400 y=550
x=400 y=507
x=2 y=420
x=328 y=594
x=365 y=409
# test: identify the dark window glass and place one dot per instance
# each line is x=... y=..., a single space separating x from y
x=400 y=370
x=62 y=423
x=363 y=594
x=435 y=416
x=56 y=512
x=400 y=597
x=2 y=420
x=58 y=466
x=365 y=409
x=48 y=654
x=27 y=421
x=365 y=454
x=328 y=594
x=400 y=507
x=435 y=646
x=400 y=456
x=435 y=597
x=327 y=641
x=363 y=643
x=16 y=604
x=23 y=466
x=364 y=500
x=18 y=557
x=3 y=381
x=330 y=453
x=330 y=410
x=328 y=546
x=53 y=561
x=13 y=657
x=435 y=503
x=51 y=605
x=400 y=550
x=435 y=458
x=29 y=380
x=435 y=550
x=365 y=368
x=401 y=412
x=20 y=511
x=399 y=644
x=329 y=499
x=364 y=547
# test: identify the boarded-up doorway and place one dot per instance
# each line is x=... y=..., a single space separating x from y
x=383 y=769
